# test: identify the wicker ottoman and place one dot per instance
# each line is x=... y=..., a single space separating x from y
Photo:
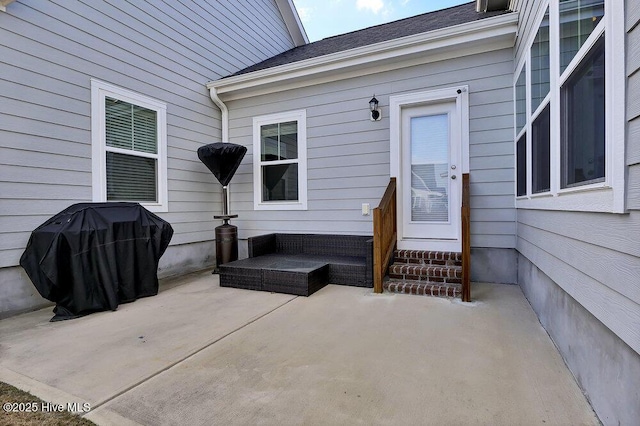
x=276 y=273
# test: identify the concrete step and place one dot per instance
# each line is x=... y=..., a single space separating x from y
x=422 y=288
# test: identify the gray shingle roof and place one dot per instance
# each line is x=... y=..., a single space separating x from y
x=393 y=30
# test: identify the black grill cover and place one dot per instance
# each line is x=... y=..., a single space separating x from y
x=222 y=159
x=93 y=256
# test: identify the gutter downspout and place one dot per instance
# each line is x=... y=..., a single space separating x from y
x=223 y=110
x=224 y=122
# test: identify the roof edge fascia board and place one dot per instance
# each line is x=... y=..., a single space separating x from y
x=292 y=21
x=355 y=72
x=502 y=25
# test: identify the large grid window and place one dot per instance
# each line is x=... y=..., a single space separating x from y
x=570 y=140
x=583 y=121
x=540 y=75
x=578 y=19
x=129 y=145
x=540 y=152
x=521 y=100
x=521 y=161
x=280 y=161
x=521 y=123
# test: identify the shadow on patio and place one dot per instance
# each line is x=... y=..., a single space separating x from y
x=201 y=354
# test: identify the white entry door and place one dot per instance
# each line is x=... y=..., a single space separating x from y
x=430 y=173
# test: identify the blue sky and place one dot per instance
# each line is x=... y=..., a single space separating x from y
x=325 y=18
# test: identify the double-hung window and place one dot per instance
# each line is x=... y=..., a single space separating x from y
x=129 y=147
x=280 y=161
x=569 y=108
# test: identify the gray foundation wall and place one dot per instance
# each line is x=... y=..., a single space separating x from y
x=18 y=294
x=494 y=265
x=605 y=367
x=185 y=258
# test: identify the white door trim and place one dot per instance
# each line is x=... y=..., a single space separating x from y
x=460 y=95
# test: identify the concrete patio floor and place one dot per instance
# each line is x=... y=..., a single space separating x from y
x=199 y=354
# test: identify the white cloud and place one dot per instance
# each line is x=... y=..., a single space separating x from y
x=374 y=6
x=305 y=14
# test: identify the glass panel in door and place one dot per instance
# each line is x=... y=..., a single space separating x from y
x=430 y=168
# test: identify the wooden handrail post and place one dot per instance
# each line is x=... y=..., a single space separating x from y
x=377 y=251
x=466 y=239
x=384 y=234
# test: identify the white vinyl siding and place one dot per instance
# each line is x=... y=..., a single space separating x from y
x=593 y=256
x=50 y=50
x=348 y=154
x=632 y=25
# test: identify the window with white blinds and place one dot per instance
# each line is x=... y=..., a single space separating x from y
x=132 y=131
x=129 y=147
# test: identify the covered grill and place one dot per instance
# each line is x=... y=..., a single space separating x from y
x=94 y=256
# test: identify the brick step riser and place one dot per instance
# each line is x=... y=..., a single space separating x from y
x=422 y=254
x=423 y=289
x=425 y=273
x=427 y=262
x=426 y=279
x=434 y=273
x=428 y=257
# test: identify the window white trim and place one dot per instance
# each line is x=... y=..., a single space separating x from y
x=300 y=117
x=608 y=196
x=615 y=123
x=99 y=91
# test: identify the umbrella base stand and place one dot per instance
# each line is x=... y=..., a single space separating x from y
x=223 y=159
x=226 y=241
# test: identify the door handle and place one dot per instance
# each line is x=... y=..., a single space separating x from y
x=453 y=176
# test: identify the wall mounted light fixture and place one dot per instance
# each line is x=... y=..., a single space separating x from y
x=376 y=112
